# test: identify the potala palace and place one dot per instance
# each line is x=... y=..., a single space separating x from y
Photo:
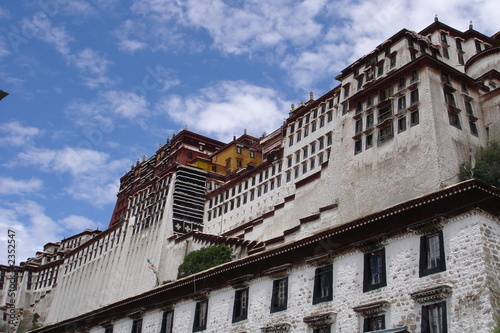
x=350 y=217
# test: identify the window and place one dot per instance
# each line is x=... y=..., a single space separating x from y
x=200 y=316
x=289 y=161
x=346 y=91
x=478 y=46
x=375 y=323
x=434 y=318
x=359 y=107
x=137 y=326
x=384 y=113
x=313 y=148
x=402 y=103
x=443 y=38
x=414 y=97
x=380 y=69
x=321 y=144
x=414 y=118
x=461 y=60
x=360 y=83
x=402 y=82
x=473 y=128
x=304 y=152
x=108 y=329
x=240 y=309
x=385 y=134
x=432 y=258
x=392 y=62
x=468 y=107
x=290 y=141
x=279 y=298
x=323 y=282
x=167 y=323
x=374 y=270
x=298 y=136
x=446 y=54
x=414 y=76
x=402 y=124
x=369 y=120
x=313 y=127
x=454 y=120
x=459 y=44
x=252 y=154
x=445 y=78
x=449 y=98
x=369 y=101
x=369 y=141
x=238 y=150
x=358 y=146
x=359 y=126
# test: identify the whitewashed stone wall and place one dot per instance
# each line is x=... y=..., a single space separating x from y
x=471 y=250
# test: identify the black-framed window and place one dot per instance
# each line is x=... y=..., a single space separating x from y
x=136 y=326
x=374 y=275
x=374 y=323
x=279 y=299
x=200 y=316
x=108 y=329
x=240 y=308
x=323 y=284
x=358 y=146
x=434 y=318
x=432 y=256
x=167 y=323
x=402 y=124
x=414 y=118
x=454 y=119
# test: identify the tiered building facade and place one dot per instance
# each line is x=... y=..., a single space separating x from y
x=348 y=218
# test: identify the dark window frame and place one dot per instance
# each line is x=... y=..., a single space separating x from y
x=200 y=323
x=136 y=326
x=279 y=302
x=240 y=307
x=368 y=271
x=424 y=264
x=426 y=317
x=368 y=326
x=323 y=276
x=167 y=322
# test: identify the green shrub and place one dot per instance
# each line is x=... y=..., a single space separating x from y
x=203 y=259
x=487 y=166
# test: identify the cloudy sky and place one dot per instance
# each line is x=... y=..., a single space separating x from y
x=96 y=84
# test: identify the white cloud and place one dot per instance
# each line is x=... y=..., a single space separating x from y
x=3 y=48
x=131 y=45
x=10 y=186
x=15 y=134
x=227 y=108
x=93 y=176
x=40 y=26
x=93 y=67
x=257 y=25
x=90 y=63
x=33 y=228
x=108 y=107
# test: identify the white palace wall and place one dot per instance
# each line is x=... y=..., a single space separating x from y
x=469 y=306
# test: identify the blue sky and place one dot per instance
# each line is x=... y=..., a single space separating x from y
x=96 y=84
